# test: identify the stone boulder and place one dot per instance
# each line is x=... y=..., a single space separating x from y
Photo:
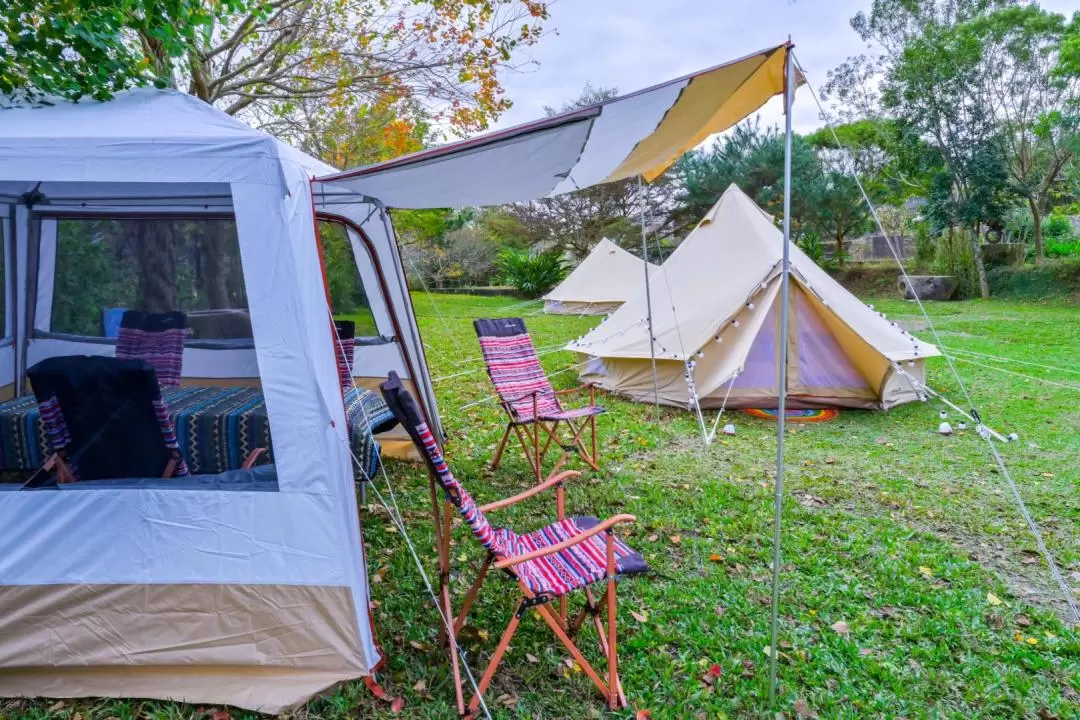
x=929 y=287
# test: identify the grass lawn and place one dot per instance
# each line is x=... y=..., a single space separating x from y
x=909 y=538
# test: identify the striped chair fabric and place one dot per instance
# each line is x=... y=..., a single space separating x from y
x=553 y=575
x=157 y=338
x=345 y=352
x=516 y=372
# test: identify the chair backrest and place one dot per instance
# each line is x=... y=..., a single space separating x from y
x=106 y=414
x=157 y=338
x=515 y=368
x=345 y=351
x=403 y=406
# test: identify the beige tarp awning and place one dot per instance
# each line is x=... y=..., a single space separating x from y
x=642 y=133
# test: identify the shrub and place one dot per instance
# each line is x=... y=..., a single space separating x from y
x=1069 y=247
x=532 y=275
x=1056 y=227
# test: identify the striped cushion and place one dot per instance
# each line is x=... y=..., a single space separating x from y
x=345 y=352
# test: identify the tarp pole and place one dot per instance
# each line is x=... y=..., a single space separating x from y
x=648 y=295
x=781 y=376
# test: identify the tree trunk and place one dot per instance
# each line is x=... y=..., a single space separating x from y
x=155 y=253
x=980 y=266
x=841 y=251
x=1036 y=224
x=211 y=245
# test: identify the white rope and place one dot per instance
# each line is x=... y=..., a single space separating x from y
x=1018 y=374
x=723 y=407
x=691 y=364
x=980 y=427
x=999 y=358
x=398 y=521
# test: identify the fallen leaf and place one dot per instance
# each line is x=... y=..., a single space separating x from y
x=720 y=610
x=830 y=461
x=842 y=629
x=640 y=617
x=422 y=646
x=55 y=707
x=220 y=715
x=925 y=571
x=1023 y=621
x=507 y=700
x=866 y=651
x=643 y=715
x=532 y=658
x=716 y=557
x=653 y=538
x=802 y=709
x=397 y=705
x=1045 y=714
x=993 y=599
x=675 y=539
x=420 y=686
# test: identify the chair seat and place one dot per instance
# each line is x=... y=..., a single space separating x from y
x=572 y=568
x=561 y=414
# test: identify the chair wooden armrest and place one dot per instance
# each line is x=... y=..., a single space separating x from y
x=553 y=481
x=571 y=542
x=251 y=459
x=578 y=388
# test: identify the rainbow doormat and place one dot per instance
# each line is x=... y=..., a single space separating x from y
x=807 y=415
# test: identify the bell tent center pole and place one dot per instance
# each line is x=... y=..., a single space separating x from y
x=781 y=374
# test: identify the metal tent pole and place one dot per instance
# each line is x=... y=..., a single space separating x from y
x=648 y=295
x=781 y=376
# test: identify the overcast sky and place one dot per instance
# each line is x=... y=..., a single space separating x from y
x=631 y=44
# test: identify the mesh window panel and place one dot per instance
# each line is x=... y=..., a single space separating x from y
x=191 y=265
x=347 y=296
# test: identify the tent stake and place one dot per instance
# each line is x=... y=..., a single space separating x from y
x=648 y=295
x=781 y=377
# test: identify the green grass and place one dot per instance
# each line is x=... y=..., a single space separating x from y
x=888 y=527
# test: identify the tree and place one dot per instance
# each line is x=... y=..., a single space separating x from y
x=281 y=62
x=73 y=50
x=839 y=210
x=753 y=159
x=1034 y=107
x=929 y=86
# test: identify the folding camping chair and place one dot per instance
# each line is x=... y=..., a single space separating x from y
x=529 y=400
x=157 y=338
x=104 y=418
x=548 y=564
x=344 y=352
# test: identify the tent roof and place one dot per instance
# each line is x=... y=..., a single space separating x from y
x=140 y=136
x=642 y=133
x=607 y=274
x=733 y=253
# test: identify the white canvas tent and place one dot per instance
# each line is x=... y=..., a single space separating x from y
x=715 y=304
x=254 y=599
x=605 y=279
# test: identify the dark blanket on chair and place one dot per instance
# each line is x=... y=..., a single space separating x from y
x=218 y=427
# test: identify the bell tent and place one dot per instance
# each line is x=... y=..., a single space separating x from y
x=256 y=596
x=715 y=305
x=605 y=279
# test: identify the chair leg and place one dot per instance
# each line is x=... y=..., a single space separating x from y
x=496 y=658
x=470 y=597
x=524 y=437
x=502 y=446
x=448 y=617
x=552 y=619
x=613 y=648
